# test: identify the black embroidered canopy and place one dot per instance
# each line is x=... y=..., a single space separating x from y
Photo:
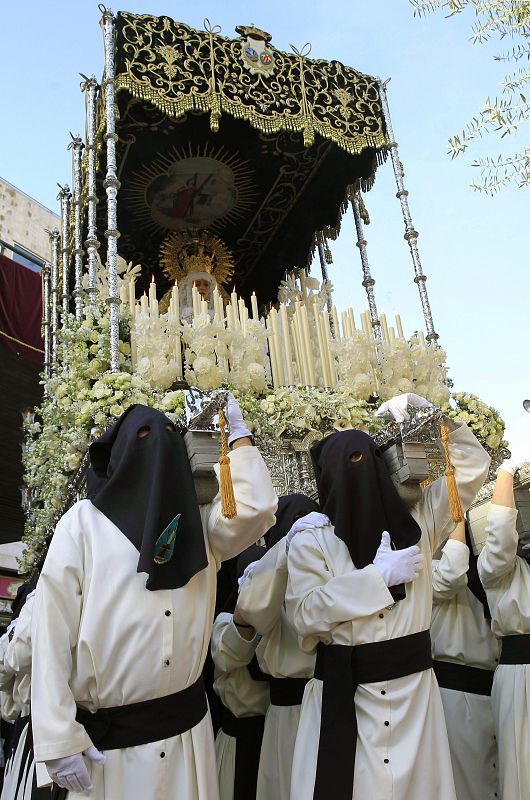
x=256 y=146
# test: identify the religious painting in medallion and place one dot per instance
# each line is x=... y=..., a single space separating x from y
x=185 y=190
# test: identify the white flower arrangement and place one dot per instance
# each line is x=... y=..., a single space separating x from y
x=414 y=367
x=155 y=342
x=485 y=421
x=357 y=364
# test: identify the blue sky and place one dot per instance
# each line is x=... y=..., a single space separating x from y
x=473 y=247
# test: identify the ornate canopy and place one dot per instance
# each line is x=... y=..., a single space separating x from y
x=231 y=136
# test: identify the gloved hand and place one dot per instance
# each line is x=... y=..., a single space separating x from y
x=312 y=520
x=397 y=566
x=236 y=423
x=396 y=407
x=511 y=465
x=71 y=773
x=246 y=572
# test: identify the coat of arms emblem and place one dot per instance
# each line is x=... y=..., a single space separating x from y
x=256 y=55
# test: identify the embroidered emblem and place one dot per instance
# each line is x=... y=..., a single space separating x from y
x=165 y=544
x=257 y=56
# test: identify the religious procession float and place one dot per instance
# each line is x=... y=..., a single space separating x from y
x=213 y=172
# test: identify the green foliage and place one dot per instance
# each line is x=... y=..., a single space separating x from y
x=504 y=116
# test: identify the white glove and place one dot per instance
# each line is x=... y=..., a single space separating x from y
x=71 y=773
x=312 y=520
x=246 y=573
x=511 y=465
x=397 y=566
x=236 y=423
x=396 y=407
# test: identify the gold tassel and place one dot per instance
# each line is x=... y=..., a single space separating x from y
x=226 y=487
x=455 y=506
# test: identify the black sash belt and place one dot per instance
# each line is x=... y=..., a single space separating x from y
x=516 y=649
x=287 y=691
x=148 y=721
x=248 y=733
x=342 y=669
x=463 y=678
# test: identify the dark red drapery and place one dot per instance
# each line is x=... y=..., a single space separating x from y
x=21 y=310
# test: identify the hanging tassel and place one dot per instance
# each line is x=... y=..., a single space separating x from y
x=226 y=487
x=455 y=506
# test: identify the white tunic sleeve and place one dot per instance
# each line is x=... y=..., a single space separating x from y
x=498 y=558
x=262 y=594
x=316 y=600
x=56 y=619
x=449 y=573
x=18 y=654
x=229 y=649
x=256 y=505
x=471 y=463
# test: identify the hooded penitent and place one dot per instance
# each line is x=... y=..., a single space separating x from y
x=150 y=496
x=357 y=494
x=290 y=508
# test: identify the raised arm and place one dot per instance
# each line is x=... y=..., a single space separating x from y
x=56 y=617
x=256 y=505
x=498 y=557
x=316 y=601
x=449 y=573
x=471 y=463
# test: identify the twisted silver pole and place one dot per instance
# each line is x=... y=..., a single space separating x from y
x=90 y=87
x=46 y=269
x=65 y=197
x=368 y=281
x=325 y=277
x=112 y=185
x=54 y=286
x=411 y=234
x=77 y=155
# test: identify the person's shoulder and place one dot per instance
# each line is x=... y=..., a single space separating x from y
x=77 y=519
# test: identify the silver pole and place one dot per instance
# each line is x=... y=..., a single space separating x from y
x=112 y=185
x=90 y=86
x=368 y=281
x=46 y=316
x=77 y=154
x=54 y=242
x=65 y=197
x=411 y=234
x=325 y=277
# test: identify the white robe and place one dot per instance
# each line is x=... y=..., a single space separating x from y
x=101 y=639
x=461 y=634
x=402 y=747
x=242 y=695
x=8 y=707
x=261 y=603
x=506 y=578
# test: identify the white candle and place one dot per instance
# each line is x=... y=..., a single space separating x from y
x=233 y=300
x=335 y=317
x=422 y=338
x=399 y=327
x=307 y=346
x=345 y=325
x=297 y=354
x=204 y=306
x=242 y=309
x=178 y=356
x=278 y=346
x=324 y=366
x=254 y=305
x=302 y=359
x=392 y=334
x=286 y=335
x=272 y=354
x=176 y=301
x=327 y=338
x=384 y=328
x=153 y=303
x=216 y=311
x=365 y=324
x=351 y=320
x=123 y=293
x=144 y=304
x=195 y=299
x=230 y=317
x=303 y=284
x=132 y=299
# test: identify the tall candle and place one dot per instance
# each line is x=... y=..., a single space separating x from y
x=399 y=327
x=422 y=338
x=384 y=328
x=335 y=318
x=272 y=354
x=303 y=284
x=324 y=365
x=304 y=368
x=233 y=300
x=242 y=313
x=132 y=299
x=204 y=306
x=327 y=338
x=195 y=300
x=144 y=304
x=178 y=356
x=123 y=293
x=277 y=344
x=216 y=310
x=230 y=317
x=296 y=350
x=153 y=303
x=254 y=305
x=365 y=324
x=351 y=320
x=307 y=346
x=176 y=301
x=286 y=335
x=345 y=325
x=392 y=334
